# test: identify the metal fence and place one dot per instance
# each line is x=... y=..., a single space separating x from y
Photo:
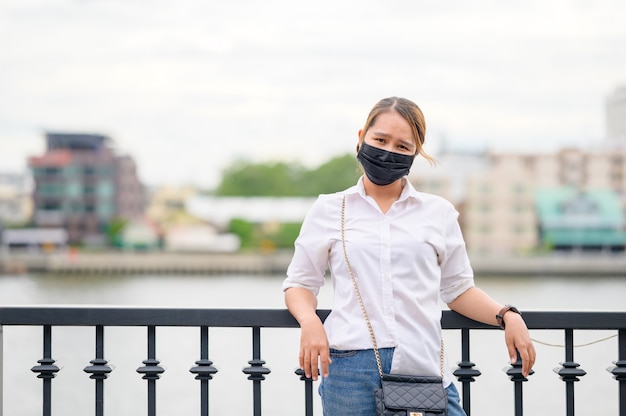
x=150 y=318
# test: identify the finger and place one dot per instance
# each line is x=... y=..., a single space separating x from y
x=306 y=364
x=525 y=362
x=313 y=364
x=325 y=361
x=301 y=359
x=530 y=360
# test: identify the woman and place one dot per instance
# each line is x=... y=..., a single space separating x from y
x=406 y=252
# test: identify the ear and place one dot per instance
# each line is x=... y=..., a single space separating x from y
x=358 y=145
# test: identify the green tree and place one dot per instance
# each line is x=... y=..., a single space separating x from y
x=249 y=179
x=283 y=179
x=264 y=236
x=114 y=230
x=244 y=230
x=286 y=235
x=338 y=173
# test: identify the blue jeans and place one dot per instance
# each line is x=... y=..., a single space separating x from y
x=352 y=378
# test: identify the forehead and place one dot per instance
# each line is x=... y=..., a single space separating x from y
x=392 y=123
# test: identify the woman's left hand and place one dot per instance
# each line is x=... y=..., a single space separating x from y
x=518 y=340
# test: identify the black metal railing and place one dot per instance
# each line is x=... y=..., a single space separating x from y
x=151 y=318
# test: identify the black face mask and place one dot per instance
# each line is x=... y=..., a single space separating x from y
x=383 y=167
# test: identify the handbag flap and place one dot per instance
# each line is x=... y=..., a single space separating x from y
x=423 y=396
x=411 y=378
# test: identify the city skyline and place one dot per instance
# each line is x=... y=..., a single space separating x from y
x=187 y=88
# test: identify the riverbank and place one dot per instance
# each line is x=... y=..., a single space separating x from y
x=118 y=262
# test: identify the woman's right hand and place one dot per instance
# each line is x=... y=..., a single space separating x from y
x=314 y=349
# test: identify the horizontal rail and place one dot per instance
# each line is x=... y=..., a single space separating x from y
x=265 y=318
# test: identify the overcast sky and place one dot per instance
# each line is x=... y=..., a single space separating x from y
x=187 y=87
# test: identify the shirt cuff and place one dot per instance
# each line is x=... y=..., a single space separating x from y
x=449 y=294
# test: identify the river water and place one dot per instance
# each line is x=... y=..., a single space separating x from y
x=283 y=393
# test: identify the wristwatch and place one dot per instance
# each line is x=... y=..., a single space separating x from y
x=500 y=315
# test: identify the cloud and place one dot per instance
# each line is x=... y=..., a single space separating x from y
x=187 y=87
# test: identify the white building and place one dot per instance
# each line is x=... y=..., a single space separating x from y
x=616 y=117
x=16 y=204
x=260 y=210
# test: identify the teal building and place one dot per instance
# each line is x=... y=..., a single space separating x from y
x=575 y=219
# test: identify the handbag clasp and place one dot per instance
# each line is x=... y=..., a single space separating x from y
x=416 y=414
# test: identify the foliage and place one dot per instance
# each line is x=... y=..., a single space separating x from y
x=335 y=175
x=285 y=235
x=114 y=230
x=244 y=230
x=283 y=179
x=248 y=179
x=264 y=237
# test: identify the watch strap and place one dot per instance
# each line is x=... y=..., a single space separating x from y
x=500 y=315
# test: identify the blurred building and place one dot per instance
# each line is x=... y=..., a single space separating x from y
x=81 y=184
x=15 y=199
x=616 y=117
x=184 y=230
x=33 y=239
x=500 y=208
x=140 y=234
x=498 y=212
x=259 y=210
x=167 y=207
x=573 y=219
x=448 y=177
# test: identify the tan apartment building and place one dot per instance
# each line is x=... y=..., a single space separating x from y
x=499 y=211
x=615 y=107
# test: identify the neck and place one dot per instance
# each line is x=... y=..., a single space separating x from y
x=385 y=195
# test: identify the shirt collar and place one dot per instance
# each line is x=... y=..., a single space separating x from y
x=408 y=191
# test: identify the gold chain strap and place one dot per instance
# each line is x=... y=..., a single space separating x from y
x=356 y=288
x=358 y=295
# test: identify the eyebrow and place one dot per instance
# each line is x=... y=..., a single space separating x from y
x=407 y=143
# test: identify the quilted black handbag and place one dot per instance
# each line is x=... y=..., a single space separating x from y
x=411 y=396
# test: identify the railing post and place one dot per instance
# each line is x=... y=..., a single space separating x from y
x=204 y=370
x=619 y=370
x=515 y=372
x=308 y=392
x=99 y=370
x=465 y=373
x=1 y=370
x=569 y=371
x=47 y=370
x=151 y=370
x=256 y=371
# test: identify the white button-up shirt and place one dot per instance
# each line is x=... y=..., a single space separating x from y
x=404 y=261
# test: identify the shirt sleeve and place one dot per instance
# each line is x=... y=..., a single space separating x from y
x=310 y=259
x=457 y=275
